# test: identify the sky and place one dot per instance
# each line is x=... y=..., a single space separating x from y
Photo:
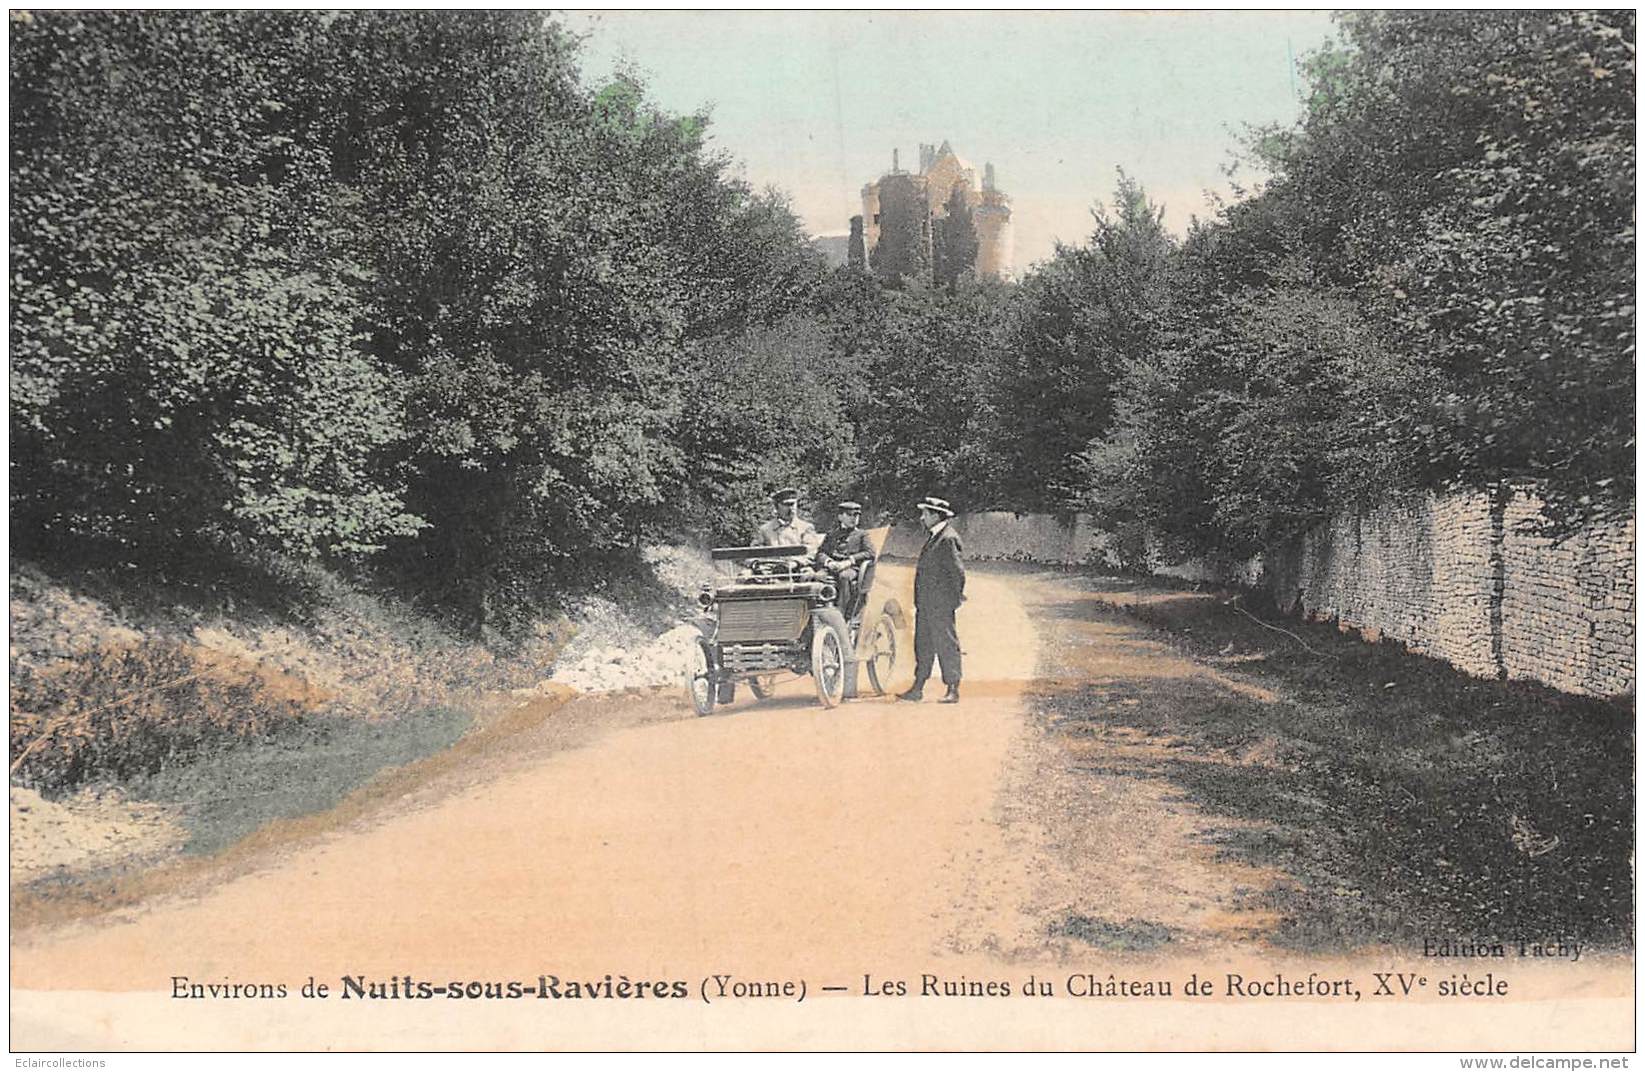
x=814 y=102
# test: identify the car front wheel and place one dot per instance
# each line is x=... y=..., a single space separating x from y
x=700 y=685
x=828 y=664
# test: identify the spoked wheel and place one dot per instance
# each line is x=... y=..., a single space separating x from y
x=880 y=656
x=762 y=687
x=699 y=677
x=828 y=664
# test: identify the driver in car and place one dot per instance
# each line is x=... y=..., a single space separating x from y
x=844 y=552
x=788 y=528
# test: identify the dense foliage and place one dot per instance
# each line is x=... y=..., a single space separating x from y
x=184 y=358
x=1078 y=324
x=399 y=287
x=1435 y=290
x=333 y=284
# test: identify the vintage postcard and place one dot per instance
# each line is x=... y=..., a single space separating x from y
x=823 y=530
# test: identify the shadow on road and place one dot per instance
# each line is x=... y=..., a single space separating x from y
x=1404 y=799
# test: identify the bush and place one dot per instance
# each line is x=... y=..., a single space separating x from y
x=121 y=711
x=184 y=346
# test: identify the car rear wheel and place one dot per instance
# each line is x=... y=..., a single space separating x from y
x=880 y=657
x=828 y=664
x=700 y=685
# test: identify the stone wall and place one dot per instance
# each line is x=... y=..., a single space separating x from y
x=1420 y=573
x=1463 y=578
x=1032 y=538
x=1001 y=536
x=1568 y=610
x=1468 y=579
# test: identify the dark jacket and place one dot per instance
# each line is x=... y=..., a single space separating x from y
x=845 y=543
x=939 y=576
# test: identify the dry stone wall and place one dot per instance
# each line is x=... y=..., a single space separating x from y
x=1568 y=609
x=1032 y=538
x=1466 y=578
x=1002 y=536
x=1418 y=572
x=1470 y=579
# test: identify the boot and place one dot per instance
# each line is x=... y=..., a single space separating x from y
x=952 y=695
x=913 y=695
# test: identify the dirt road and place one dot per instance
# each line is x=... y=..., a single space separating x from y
x=776 y=843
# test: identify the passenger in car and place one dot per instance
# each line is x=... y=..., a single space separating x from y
x=845 y=552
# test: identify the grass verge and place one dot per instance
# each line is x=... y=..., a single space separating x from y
x=311 y=768
x=1406 y=800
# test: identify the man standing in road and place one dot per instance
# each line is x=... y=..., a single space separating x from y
x=788 y=528
x=845 y=552
x=939 y=589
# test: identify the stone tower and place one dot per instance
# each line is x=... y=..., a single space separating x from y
x=902 y=211
x=903 y=245
x=856 y=249
x=992 y=217
x=871 y=215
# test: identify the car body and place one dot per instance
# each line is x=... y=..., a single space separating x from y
x=772 y=613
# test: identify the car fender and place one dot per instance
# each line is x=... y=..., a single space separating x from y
x=831 y=617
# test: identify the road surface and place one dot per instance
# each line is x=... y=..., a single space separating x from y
x=767 y=847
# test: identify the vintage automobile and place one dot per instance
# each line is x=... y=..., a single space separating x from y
x=771 y=613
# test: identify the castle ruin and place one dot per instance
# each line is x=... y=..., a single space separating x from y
x=937 y=222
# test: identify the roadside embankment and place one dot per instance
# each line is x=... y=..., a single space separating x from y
x=140 y=729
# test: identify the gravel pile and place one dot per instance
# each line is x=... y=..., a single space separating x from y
x=614 y=667
x=611 y=652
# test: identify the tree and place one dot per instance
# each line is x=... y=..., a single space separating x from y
x=763 y=410
x=1272 y=402
x=1434 y=291
x=519 y=287
x=347 y=282
x=738 y=258
x=1074 y=327
x=923 y=426
x=954 y=240
x=1471 y=175
x=185 y=361
x=546 y=258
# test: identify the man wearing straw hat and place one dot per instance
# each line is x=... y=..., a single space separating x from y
x=939 y=589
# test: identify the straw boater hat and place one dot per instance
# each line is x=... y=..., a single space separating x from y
x=848 y=505
x=931 y=502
